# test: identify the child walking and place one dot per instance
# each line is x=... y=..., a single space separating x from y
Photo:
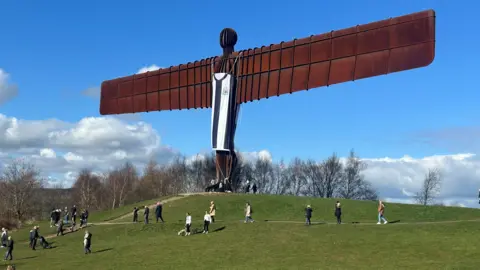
x=206 y=221
x=308 y=214
x=338 y=212
x=381 y=211
x=188 y=224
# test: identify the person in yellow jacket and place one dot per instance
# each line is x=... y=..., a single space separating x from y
x=381 y=212
x=212 y=210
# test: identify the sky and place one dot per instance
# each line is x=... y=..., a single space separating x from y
x=55 y=54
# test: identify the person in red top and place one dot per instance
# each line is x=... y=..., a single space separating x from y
x=381 y=211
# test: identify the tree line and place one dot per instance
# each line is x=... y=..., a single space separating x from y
x=25 y=197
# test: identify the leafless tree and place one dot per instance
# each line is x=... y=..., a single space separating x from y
x=430 y=187
x=243 y=171
x=313 y=174
x=353 y=184
x=280 y=179
x=120 y=184
x=262 y=174
x=88 y=190
x=331 y=172
x=20 y=183
x=296 y=176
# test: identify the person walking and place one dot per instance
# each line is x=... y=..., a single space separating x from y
x=87 y=242
x=188 y=224
x=338 y=212
x=60 y=228
x=4 y=237
x=212 y=211
x=146 y=213
x=206 y=221
x=248 y=213
x=135 y=214
x=158 y=212
x=9 y=253
x=381 y=212
x=308 y=215
x=74 y=213
x=254 y=188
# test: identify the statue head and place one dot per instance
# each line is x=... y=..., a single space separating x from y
x=228 y=39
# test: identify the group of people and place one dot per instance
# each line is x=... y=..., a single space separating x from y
x=338 y=213
x=55 y=217
x=146 y=213
x=208 y=218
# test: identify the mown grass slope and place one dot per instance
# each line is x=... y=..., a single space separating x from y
x=408 y=243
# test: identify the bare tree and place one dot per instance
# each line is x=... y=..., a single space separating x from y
x=296 y=176
x=353 y=184
x=430 y=188
x=332 y=171
x=88 y=190
x=313 y=174
x=120 y=184
x=262 y=172
x=20 y=185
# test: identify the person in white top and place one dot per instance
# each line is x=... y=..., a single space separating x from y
x=206 y=221
x=188 y=224
x=4 y=237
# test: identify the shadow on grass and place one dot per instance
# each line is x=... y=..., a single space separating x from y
x=27 y=258
x=103 y=250
x=394 y=221
x=219 y=229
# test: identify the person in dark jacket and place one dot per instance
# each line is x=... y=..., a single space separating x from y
x=254 y=188
x=146 y=213
x=57 y=216
x=338 y=212
x=158 y=212
x=44 y=243
x=247 y=188
x=9 y=253
x=85 y=217
x=52 y=218
x=308 y=214
x=60 y=228
x=82 y=219
x=74 y=213
x=33 y=237
x=135 y=214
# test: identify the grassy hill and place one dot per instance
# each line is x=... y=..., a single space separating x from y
x=421 y=238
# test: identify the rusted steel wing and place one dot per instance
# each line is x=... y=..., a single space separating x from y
x=354 y=53
x=179 y=87
x=358 y=52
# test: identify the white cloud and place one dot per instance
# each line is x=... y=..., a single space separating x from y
x=62 y=148
x=399 y=179
x=148 y=68
x=7 y=90
x=93 y=92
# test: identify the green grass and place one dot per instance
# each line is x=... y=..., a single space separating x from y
x=264 y=245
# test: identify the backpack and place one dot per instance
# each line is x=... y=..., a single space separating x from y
x=251 y=210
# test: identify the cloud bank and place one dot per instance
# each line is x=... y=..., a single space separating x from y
x=7 y=90
x=60 y=149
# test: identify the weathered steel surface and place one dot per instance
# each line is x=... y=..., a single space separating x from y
x=358 y=52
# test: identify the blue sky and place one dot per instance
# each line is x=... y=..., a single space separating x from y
x=56 y=49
